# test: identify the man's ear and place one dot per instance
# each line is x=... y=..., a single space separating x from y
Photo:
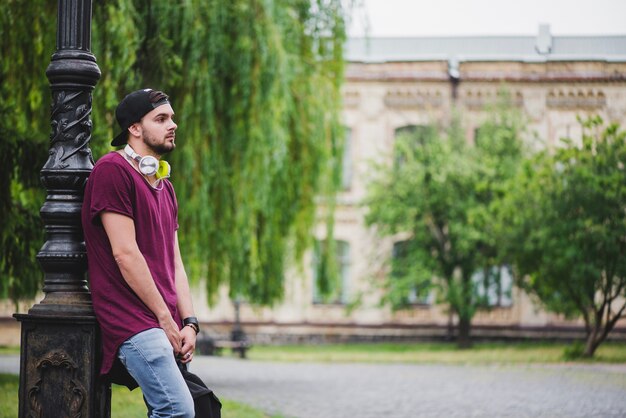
x=135 y=130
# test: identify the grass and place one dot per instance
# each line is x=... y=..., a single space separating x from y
x=124 y=403
x=9 y=350
x=435 y=353
x=127 y=404
x=8 y=395
x=428 y=353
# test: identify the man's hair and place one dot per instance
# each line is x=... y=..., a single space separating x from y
x=156 y=96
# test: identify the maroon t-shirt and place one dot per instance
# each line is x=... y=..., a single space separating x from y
x=115 y=186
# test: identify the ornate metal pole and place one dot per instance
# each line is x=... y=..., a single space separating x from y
x=59 y=344
x=237 y=333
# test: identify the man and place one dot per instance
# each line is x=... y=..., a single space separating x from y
x=138 y=283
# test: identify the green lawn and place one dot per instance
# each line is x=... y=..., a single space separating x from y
x=127 y=404
x=425 y=353
x=124 y=403
x=431 y=353
x=8 y=396
x=9 y=350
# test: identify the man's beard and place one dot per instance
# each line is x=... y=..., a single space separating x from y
x=159 y=148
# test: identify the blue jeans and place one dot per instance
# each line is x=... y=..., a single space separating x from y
x=149 y=358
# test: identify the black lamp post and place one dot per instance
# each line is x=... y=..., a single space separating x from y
x=237 y=333
x=59 y=345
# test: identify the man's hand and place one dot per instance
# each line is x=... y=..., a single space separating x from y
x=173 y=334
x=188 y=335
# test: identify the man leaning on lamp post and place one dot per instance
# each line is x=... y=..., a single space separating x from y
x=138 y=282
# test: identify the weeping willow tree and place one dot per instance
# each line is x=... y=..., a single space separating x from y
x=25 y=49
x=255 y=85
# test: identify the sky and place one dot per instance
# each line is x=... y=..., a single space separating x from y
x=488 y=17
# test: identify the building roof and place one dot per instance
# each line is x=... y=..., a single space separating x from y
x=540 y=48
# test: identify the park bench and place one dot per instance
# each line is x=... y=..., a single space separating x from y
x=239 y=347
x=213 y=347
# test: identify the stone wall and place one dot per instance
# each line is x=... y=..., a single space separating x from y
x=273 y=333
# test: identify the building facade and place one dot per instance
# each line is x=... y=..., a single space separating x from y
x=393 y=84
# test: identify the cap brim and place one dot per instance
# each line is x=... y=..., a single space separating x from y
x=120 y=139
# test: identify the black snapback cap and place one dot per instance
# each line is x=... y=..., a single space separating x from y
x=134 y=107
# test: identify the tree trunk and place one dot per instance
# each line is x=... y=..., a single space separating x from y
x=464 y=340
x=595 y=337
x=450 y=331
x=591 y=344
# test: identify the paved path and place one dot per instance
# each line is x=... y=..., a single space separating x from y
x=306 y=390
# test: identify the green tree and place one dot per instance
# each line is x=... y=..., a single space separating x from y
x=25 y=48
x=256 y=87
x=441 y=191
x=567 y=229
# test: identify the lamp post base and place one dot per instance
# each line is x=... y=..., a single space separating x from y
x=59 y=368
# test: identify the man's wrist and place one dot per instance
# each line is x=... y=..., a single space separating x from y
x=192 y=322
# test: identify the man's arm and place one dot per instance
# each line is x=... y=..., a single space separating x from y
x=184 y=304
x=120 y=230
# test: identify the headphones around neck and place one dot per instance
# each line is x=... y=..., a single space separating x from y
x=149 y=165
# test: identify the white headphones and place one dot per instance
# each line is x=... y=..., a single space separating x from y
x=149 y=165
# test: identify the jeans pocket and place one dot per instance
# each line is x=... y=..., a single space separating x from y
x=121 y=356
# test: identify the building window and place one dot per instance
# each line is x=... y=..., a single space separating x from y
x=478 y=134
x=330 y=283
x=409 y=288
x=346 y=166
x=417 y=135
x=494 y=286
x=420 y=133
x=406 y=130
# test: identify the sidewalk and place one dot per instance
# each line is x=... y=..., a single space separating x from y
x=407 y=391
x=306 y=390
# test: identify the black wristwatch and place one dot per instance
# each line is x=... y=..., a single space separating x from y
x=192 y=321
